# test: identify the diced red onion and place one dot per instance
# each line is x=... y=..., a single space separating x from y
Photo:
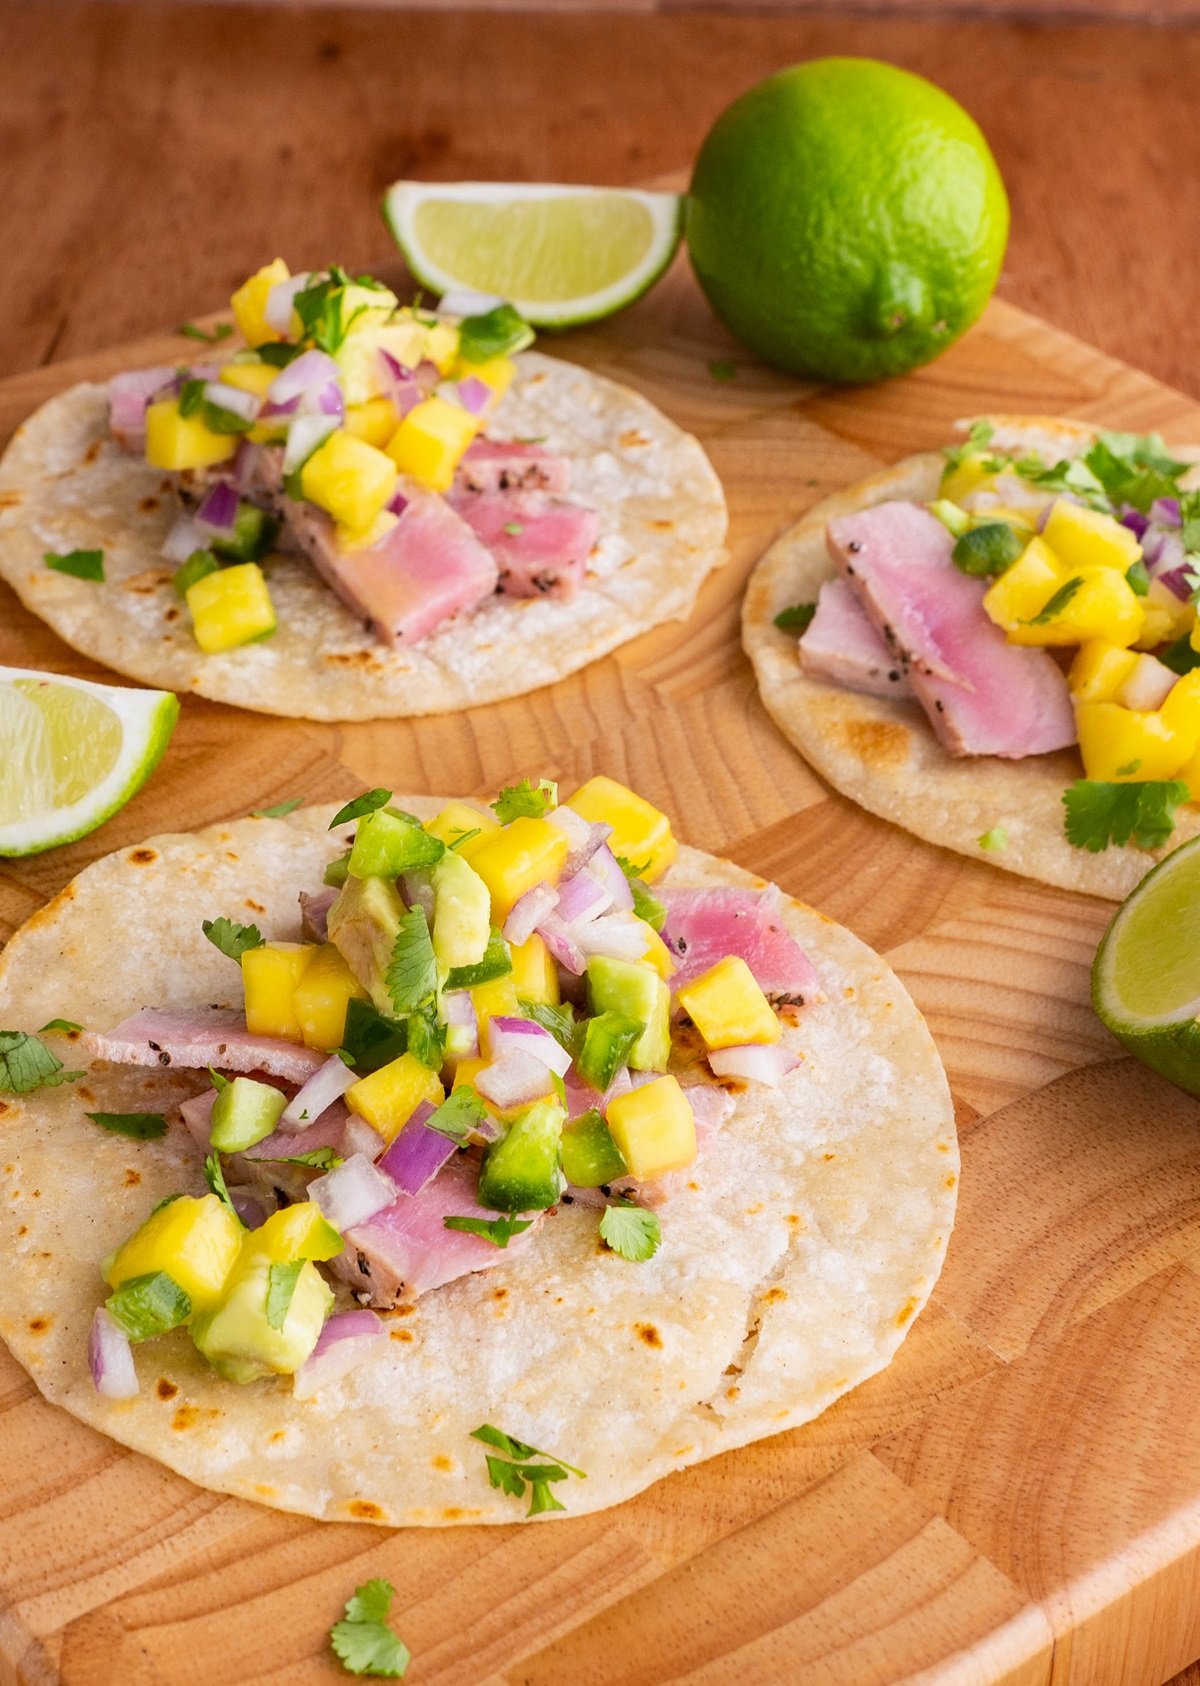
x=581 y=898
x=526 y=1037
x=277 y=312
x=304 y=374
x=271 y=411
x=245 y=465
x=427 y=375
x=756 y=1062
x=619 y=935
x=361 y=1137
x=1147 y=685
x=1166 y=561
x=218 y=508
x=251 y=1211
x=515 y=1078
x=347 y=1339
x=561 y=942
x=474 y=394
x=353 y=1192
x=234 y=399
x=111 y=1358
x=1137 y=523
x=327 y=1084
x=328 y=401
x=400 y=384
x=584 y=837
x=462 y=1024
x=1165 y=512
x=418 y=891
x=129 y=395
x=465 y=301
x=304 y=435
x=604 y=869
x=398 y=504
x=185 y=536
x=197 y=1116
x=416 y=1155
x=528 y=912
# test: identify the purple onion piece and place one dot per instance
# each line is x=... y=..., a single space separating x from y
x=185 y=537
x=416 y=1155
x=250 y=1210
x=398 y=504
x=245 y=405
x=1165 y=512
x=525 y=1036
x=767 y=1063
x=218 y=508
x=528 y=912
x=110 y=1357
x=1135 y=521
x=307 y=373
x=474 y=394
x=563 y=945
x=347 y=1339
x=514 y=1078
x=353 y=1192
x=604 y=868
x=581 y=898
x=326 y=1085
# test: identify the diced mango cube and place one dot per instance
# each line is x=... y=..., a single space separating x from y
x=657 y=953
x=1181 y=706
x=497 y=372
x=1022 y=591
x=270 y=976
x=534 y=974
x=1099 y=670
x=518 y=856
x=249 y=303
x=969 y=474
x=1101 y=603
x=249 y=377
x=388 y=1098
x=321 y=995
x=455 y=823
x=1166 y=617
x=430 y=442
x=176 y=441
x=1118 y=745
x=1086 y=538
x=495 y=1000
x=654 y=1127
x=727 y=1006
x=641 y=832
x=375 y=421
x=230 y=607
x=195 y=1240
x=349 y=478
x=301 y=1231
x=1190 y=774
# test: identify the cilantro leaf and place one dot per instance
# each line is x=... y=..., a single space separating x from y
x=321 y=307
x=461 y=1112
x=1180 y=656
x=1098 y=814
x=1137 y=578
x=277 y=809
x=82 y=564
x=541 y=1496
x=210 y=336
x=513 y=528
x=497 y=1230
x=461 y=837
x=371 y=1040
x=215 y=1178
x=427 y=1038
x=412 y=973
x=559 y=1021
x=27 y=1064
x=514 y=1475
x=645 y=904
x=1055 y=604
x=318 y=1159
x=505 y=1476
x=518 y=1449
x=231 y=938
x=500 y=332
x=363 y=1642
x=526 y=798
x=631 y=1231
x=139 y=1126
x=60 y=1024
x=979 y=437
x=364 y=804
x=281 y=1286
x=797 y=618
x=496 y=963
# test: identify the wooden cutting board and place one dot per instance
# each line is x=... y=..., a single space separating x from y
x=1017 y=1498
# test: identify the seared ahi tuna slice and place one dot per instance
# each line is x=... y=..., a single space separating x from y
x=540 y=544
x=703 y=926
x=711 y=1108
x=983 y=695
x=503 y=465
x=406 y=1249
x=201 y=1037
x=314 y=914
x=428 y=567
x=842 y=646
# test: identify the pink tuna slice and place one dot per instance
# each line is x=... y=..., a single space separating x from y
x=842 y=646
x=503 y=465
x=429 y=566
x=711 y=1108
x=406 y=1250
x=314 y=914
x=983 y=695
x=703 y=926
x=257 y=1170
x=200 y=1037
x=545 y=554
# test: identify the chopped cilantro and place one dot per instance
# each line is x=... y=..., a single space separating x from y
x=1189 y=521
x=209 y=336
x=631 y=1231
x=497 y=1230
x=513 y=1476
x=364 y=804
x=797 y=618
x=281 y=1286
x=363 y=1642
x=278 y=353
x=149 y=1305
x=412 y=973
x=27 y=1064
x=559 y=1021
x=1180 y=656
x=191 y=398
x=369 y=1040
x=318 y=1159
x=496 y=963
x=60 y=1024
x=81 y=564
x=427 y=1038
x=321 y=307
x=646 y=905
x=278 y=809
x=722 y=370
x=526 y=799
x=139 y=1126
x=995 y=840
x=1098 y=814
x=231 y=938
x=459 y=1114
x=979 y=437
x=1130 y=768
x=461 y=837
x=215 y=1178
x=500 y=332
x=1055 y=604
x=1137 y=578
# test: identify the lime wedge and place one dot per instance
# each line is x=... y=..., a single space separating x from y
x=1146 y=975
x=72 y=753
x=561 y=255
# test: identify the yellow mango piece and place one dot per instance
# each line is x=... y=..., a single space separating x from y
x=657 y=953
x=1118 y=745
x=351 y=539
x=654 y=1127
x=1099 y=670
x=1023 y=590
x=1181 y=706
x=967 y=476
x=301 y=1231
x=1024 y=520
x=1190 y=774
x=497 y=372
x=375 y=421
x=388 y=1098
x=321 y=995
x=250 y=302
x=230 y=607
x=270 y=975
x=518 y=856
x=534 y=974
x=727 y=1006
x=1102 y=606
x=249 y=377
x=495 y=1000
x=456 y=821
x=176 y=441
x=641 y=832
x=430 y=442
x=349 y=478
x=195 y=1240
x=1086 y=538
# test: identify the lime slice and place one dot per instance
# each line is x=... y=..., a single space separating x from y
x=561 y=255
x=1146 y=975
x=72 y=753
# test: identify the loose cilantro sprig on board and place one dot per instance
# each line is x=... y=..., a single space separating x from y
x=1098 y=814
x=27 y=1064
x=514 y=1472
x=363 y=1642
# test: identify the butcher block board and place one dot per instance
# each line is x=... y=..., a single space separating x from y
x=1017 y=1498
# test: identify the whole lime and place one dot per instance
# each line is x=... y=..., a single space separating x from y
x=846 y=219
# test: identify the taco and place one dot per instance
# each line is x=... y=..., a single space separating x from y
x=995 y=647
x=366 y=511
x=568 y=1187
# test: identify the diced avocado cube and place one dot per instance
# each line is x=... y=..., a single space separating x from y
x=385 y=845
x=196 y=1241
x=230 y=608
x=462 y=912
x=363 y=924
x=607 y=1042
x=654 y=1128
x=254 y=532
x=322 y=996
x=641 y=832
x=727 y=1006
x=987 y=550
x=244 y=1112
x=270 y=974
x=236 y=1336
x=388 y=1098
x=590 y=1156
x=520 y=1172
x=634 y=991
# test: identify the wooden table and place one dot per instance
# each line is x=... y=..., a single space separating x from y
x=153 y=155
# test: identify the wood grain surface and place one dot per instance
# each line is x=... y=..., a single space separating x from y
x=1017 y=1498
